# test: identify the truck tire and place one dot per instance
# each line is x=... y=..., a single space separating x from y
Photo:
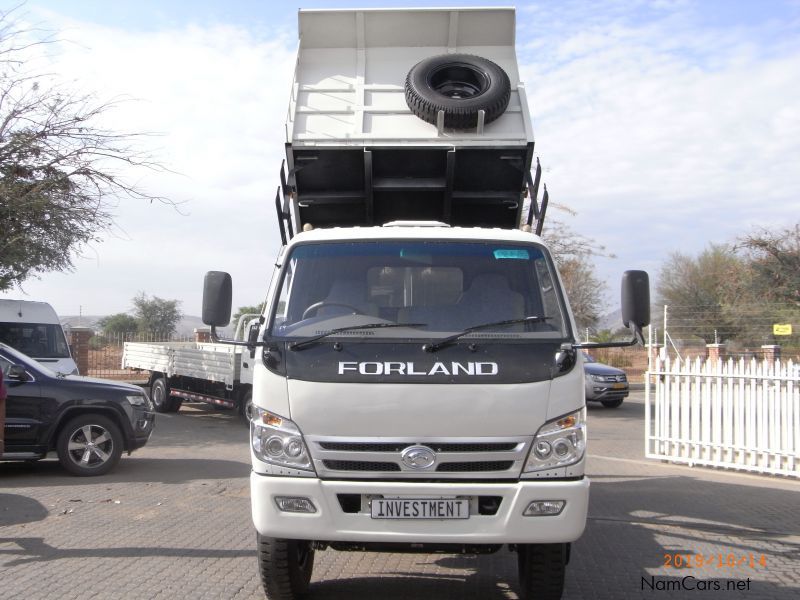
x=159 y=394
x=245 y=402
x=285 y=567
x=542 y=568
x=460 y=85
x=89 y=444
x=612 y=403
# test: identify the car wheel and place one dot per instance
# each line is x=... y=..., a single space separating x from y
x=542 y=569
x=89 y=445
x=285 y=567
x=460 y=85
x=612 y=403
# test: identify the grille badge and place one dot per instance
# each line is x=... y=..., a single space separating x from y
x=418 y=457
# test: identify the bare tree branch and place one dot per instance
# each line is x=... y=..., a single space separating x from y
x=60 y=175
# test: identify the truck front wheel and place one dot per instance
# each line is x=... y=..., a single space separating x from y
x=245 y=405
x=285 y=567
x=159 y=394
x=542 y=568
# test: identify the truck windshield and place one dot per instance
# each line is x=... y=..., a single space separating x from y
x=437 y=288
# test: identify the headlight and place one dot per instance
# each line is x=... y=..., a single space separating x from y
x=137 y=400
x=597 y=378
x=278 y=441
x=558 y=443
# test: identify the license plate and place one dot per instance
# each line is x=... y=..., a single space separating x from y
x=618 y=386
x=420 y=508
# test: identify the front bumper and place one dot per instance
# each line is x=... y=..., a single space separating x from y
x=603 y=391
x=332 y=523
x=142 y=426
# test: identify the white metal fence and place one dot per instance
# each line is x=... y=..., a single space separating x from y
x=733 y=414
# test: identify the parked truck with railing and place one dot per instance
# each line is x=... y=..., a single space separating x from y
x=214 y=373
x=417 y=384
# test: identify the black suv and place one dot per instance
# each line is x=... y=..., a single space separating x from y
x=88 y=422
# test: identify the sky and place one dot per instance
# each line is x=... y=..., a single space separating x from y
x=664 y=125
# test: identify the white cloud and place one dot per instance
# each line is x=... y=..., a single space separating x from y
x=664 y=135
x=216 y=98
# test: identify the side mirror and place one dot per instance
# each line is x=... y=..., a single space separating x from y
x=18 y=373
x=636 y=301
x=217 y=298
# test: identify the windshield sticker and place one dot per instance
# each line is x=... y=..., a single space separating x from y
x=502 y=253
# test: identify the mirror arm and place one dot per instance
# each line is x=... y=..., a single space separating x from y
x=638 y=338
x=218 y=340
x=590 y=345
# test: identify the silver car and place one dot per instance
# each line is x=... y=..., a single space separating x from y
x=605 y=384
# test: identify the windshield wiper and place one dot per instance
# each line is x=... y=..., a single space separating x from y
x=309 y=341
x=434 y=346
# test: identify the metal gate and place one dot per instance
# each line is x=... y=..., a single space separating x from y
x=731 y=414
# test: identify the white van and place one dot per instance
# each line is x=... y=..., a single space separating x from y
x=34 y=329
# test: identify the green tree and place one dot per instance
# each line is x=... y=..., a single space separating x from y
x=701 y=292
x=59 y=168
x=156 y=315
x=118 y=324
x=770 y=291
x=607 y=335
x=774 y=260
x=245 y=310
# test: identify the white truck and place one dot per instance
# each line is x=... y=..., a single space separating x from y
x=418 y=384
x=218 y=374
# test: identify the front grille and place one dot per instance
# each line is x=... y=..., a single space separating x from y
x=362 y=447
x=399 y=447
x=466 y=467
x=455 y=458
x=357 y=465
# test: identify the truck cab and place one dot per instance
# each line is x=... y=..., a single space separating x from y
x=418 y=385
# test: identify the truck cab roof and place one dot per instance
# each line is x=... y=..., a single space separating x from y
x=412 y=230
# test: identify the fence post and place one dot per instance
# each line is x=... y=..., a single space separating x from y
x=772 y=352
x=79 y=345
x=715 y=352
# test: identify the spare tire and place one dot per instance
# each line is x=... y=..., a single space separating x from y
x=460 y=85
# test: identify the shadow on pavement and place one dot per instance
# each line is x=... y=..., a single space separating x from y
x=16 y=509
x=486 y=577
x=49 y=473
x=634 y=523
x=36 y=550
x=694 y=503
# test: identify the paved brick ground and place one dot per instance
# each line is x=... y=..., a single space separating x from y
x=173 y=521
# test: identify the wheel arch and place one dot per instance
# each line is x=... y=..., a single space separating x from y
x=107 y=411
